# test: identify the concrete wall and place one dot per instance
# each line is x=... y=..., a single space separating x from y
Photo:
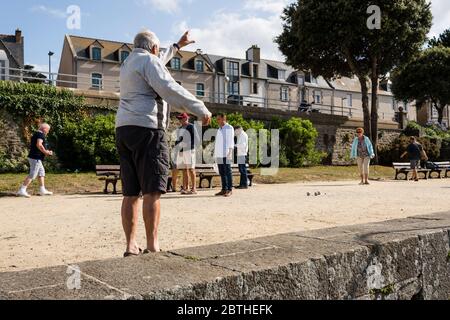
x=109 y=70
x=67 y=67
x=189 y=80
x=336 y=133
x=406 y=259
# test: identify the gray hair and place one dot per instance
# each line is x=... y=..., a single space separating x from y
x=44 y=125
x=146 y=40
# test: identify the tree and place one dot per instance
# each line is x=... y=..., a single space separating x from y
x=426 y=78
x=332 y=38
x=32 y=76
x=442 y=40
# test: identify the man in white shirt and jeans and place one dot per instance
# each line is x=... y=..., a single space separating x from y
x=242 y=152
x=223 y=152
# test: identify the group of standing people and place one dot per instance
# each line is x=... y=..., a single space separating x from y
x=184 y=155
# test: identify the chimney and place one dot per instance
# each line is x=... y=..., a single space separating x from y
x=18 y=36
x=254 y=54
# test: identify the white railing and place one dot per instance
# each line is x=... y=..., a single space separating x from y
x=112 y=84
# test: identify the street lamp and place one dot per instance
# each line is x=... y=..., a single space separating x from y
x=50 y=77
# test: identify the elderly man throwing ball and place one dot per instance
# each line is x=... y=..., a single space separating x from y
x=146 y=89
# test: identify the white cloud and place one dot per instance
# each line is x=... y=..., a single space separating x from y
x=168 y=6
x=441 y=14
x=57 y=13
x=232 y=33
x=39 y=67
x=272 y=6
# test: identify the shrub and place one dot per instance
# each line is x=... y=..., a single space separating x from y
x=392 y=153
x=412 y=129
x=445 y=150
x=82 y=145
x=236 y=119
x=298 y=137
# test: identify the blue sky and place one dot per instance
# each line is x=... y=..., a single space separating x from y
x=220 y=27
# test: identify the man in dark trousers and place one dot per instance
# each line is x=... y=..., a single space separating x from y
x=223 y=152
x=37 y=154
x=242 y=152
x=414 y=151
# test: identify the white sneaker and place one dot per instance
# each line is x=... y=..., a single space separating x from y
x=23 y=193
x=45 y=192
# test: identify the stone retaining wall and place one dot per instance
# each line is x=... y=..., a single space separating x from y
x=398 y=259
x=335 y=132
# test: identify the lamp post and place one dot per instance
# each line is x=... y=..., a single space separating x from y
x=50 y=77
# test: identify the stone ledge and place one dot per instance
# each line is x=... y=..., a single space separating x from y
x=397 y=259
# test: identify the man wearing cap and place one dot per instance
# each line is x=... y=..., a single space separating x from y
x=146 y=91
x=187 y=138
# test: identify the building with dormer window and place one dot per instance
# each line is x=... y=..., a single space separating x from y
x=91 y=64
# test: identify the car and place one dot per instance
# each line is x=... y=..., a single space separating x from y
x=307 y=108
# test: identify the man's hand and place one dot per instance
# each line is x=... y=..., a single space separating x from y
x=50 y=153
x=184 y=41
x=206 y=120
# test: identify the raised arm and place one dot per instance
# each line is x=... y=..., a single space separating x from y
x=168 y=54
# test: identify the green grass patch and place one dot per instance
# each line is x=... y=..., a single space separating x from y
x=80 y=183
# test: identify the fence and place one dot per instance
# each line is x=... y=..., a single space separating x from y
x=98 y=82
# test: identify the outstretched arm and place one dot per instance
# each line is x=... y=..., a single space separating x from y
x=168 y=54
x=160 y=79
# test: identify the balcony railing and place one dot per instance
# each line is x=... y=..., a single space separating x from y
x=112 y=84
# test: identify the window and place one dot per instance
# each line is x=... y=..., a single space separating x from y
x=96 y=54
x=301 y=80
x=200 y=90
x=281 y=74
x=303 y=96
x=97 y=81
x=349 y=100
x=199 y=66
x=313 y=79
x=175 y=64
x=233 y=71
x=233 y=88
x=255 y=71
x=2 y=70
x=255 y=87
x=124 y=55
x=284 y=94
x=317 y=97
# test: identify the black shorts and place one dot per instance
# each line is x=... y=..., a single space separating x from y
x=144 y=160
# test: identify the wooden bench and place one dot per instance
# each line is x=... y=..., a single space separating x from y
x=110 y=174
x=405 y=168
x=443 y=167
x=207 y=172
